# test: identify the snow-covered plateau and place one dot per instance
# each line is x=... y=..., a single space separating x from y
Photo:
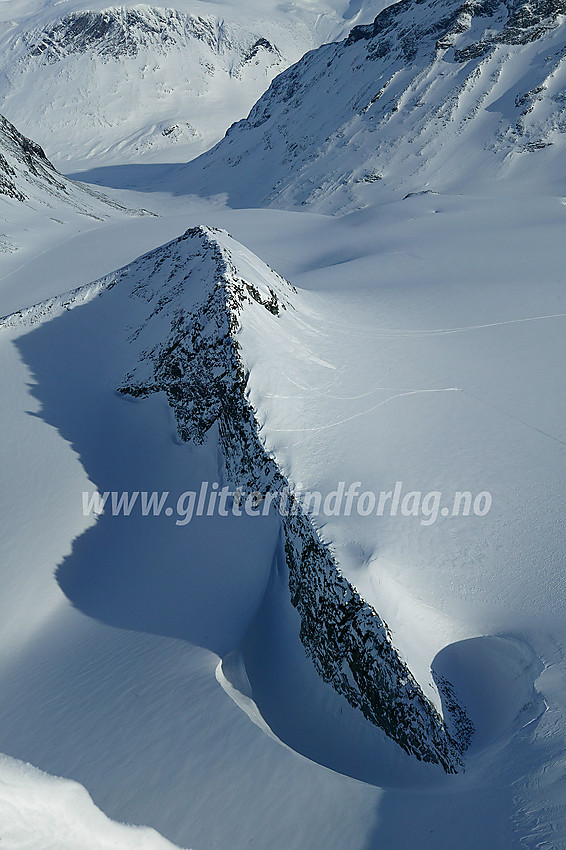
x=266 y=319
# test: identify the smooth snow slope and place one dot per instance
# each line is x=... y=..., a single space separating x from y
x=431 y=96
x=140 y=82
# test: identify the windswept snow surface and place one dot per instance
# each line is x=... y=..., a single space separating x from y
x=396 y=305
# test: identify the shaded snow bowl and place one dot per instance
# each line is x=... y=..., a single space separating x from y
x=494 y=680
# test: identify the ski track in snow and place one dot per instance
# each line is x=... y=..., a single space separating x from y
x=516 y=418
x=365 y=412
x=407 y=334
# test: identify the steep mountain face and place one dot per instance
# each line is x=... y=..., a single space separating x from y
x=24 y=156
x=138 y=82
x=27 y=176
x=125 y=32
x=403 y=98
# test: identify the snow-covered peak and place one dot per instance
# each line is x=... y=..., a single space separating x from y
x=398 y=102
x=212 y=312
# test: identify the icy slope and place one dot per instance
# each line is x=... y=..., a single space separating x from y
x=396 y=105
x=141 y=82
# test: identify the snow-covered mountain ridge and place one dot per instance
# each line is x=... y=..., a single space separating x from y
x=118 y=31
x=195 y=294
x=403 y=97
x=349 y=644
x=416 y=296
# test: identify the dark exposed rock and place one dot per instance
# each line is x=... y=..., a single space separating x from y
x=118 y=31
x=525 y=23
x=260 y=44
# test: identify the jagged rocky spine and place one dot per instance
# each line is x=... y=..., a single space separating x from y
x=200 y=369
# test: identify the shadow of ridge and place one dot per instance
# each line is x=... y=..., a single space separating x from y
x=142 y=177
x=493 y=678
x=201 y=582
x=199 y=178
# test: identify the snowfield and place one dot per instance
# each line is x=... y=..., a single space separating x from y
x=479 y=598
x=205 y=685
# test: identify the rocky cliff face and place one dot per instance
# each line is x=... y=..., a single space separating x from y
x=117 y=32
x=402 y=98
x=189 y=349
x=22 y=162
